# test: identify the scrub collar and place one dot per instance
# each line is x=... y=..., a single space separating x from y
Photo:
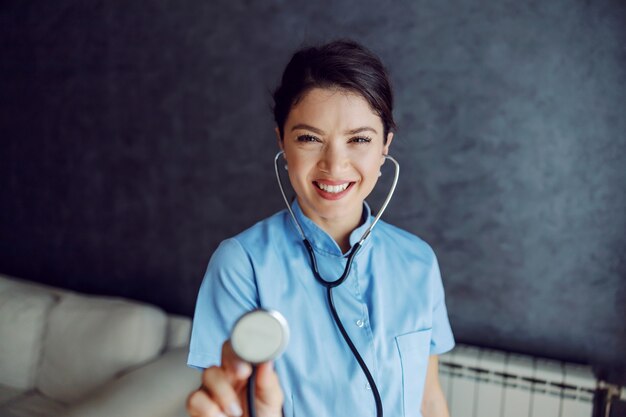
x=322 y=241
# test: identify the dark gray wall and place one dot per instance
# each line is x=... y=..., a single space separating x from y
x=137 y=135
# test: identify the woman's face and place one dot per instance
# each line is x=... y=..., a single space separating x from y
x=333 y=143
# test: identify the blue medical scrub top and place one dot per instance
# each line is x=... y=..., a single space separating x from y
x=392 y=306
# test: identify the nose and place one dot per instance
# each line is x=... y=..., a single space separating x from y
x=333 y=159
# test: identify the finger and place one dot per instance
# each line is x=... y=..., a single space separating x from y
x=265 y=375
x=268 y=390
x=220 y=390
x=200 y=405
x=236 y=369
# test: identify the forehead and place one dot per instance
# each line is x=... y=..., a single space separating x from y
x=332 y=108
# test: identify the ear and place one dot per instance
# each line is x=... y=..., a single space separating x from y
x=388 y=144
x=278 y=139
x=386 y=147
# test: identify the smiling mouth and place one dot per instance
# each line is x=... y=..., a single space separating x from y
x=333 y=189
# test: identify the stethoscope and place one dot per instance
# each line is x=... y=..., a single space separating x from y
x=261 y=335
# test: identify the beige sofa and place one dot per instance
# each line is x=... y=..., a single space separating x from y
x=64 y=354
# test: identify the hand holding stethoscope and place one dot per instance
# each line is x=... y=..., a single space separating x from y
x=246 y=373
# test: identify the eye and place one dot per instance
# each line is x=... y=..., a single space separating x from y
x=361 y=139
x=307 y=138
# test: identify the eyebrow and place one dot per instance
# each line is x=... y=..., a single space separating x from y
x=321 y=132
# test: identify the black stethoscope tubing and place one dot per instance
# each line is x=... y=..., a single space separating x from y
x=329 y=294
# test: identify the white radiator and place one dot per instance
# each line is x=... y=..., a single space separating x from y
x=488 y=383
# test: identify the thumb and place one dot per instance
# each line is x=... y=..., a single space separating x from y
x=268 y=391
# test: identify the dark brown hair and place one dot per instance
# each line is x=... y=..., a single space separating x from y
x=342 y=64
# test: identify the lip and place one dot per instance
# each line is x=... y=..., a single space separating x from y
x=332 y=182
x=332 y=196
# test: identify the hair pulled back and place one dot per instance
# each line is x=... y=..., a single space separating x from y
x=342 y=64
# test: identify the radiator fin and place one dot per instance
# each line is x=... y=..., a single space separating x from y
x=489 y=383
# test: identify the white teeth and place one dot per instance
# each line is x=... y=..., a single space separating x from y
x=333 y=188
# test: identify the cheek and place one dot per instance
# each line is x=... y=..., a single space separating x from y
x=371 y=167
x=293 y=178
x=298 y=170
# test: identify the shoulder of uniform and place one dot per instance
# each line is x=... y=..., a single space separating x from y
x=261 y=230
x=403 y=240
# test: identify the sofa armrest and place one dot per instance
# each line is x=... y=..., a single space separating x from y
x=178 y=331
x=157 y=389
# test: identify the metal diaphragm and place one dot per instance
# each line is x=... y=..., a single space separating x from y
x=260 y=336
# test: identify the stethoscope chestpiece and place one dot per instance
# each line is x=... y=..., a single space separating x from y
x=260 y=336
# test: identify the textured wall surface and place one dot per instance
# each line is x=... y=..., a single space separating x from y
x=135 y=136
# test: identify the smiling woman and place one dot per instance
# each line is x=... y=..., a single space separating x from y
x=334 y=148
x=377 y=349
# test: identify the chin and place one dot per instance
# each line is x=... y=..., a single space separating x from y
x=338 y=212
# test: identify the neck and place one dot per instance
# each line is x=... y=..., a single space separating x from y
x=340 y=234
x=338 y=229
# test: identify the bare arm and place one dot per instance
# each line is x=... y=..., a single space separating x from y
x=434 y=402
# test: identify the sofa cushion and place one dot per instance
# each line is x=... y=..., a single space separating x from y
x=91 y=339
x=23 y=312
x=158 y=389
x=8 y=394
x=32 y=404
